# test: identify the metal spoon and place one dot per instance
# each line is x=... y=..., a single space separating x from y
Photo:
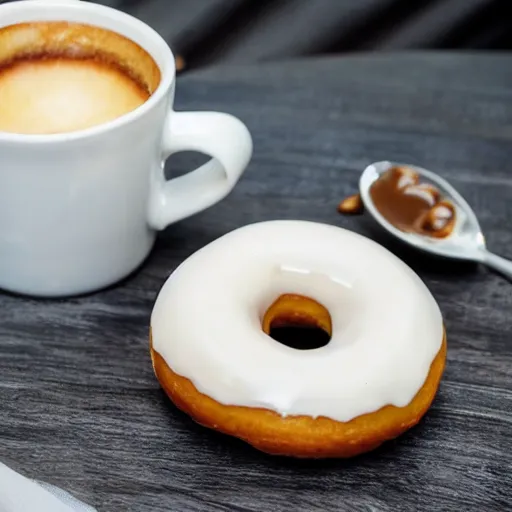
x=466 y=242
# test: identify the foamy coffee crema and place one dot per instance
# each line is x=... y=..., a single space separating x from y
x=58 y=77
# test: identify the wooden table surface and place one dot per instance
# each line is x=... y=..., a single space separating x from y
x=80 y=407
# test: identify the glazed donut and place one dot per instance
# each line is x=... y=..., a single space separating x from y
x=374 y=379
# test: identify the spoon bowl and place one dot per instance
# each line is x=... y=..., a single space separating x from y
x=465 y=242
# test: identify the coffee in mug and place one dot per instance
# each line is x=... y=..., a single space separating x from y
x=86 y=125
x=58 y=77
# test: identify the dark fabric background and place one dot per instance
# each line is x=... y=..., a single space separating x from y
x=209 y=31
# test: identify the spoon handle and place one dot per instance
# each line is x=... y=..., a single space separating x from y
x=498 y=263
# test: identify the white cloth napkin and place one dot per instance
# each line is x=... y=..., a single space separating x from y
x=20 y=494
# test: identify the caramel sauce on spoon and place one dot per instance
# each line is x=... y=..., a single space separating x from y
x=407 y=204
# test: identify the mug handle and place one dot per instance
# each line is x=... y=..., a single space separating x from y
x=222 y=136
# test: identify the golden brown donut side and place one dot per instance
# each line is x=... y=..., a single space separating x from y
x=300 y=436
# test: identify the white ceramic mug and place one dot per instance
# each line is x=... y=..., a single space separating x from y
x=80 y=211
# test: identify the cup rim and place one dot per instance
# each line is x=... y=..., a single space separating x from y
x=167 y=79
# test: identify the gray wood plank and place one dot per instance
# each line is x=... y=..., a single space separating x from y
x=80 y=406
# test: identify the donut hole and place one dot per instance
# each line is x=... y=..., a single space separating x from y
x=300 y=337
x=298 y=322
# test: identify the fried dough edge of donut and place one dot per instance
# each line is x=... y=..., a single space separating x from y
x=300 y=436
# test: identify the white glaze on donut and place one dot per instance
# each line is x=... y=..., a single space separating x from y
x=387 y=327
